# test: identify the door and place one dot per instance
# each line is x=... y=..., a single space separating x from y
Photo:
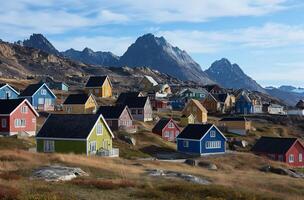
x=93 y=147
x=172 y=136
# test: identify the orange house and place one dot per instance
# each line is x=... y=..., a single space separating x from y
x=99 y=86
x=195 y=108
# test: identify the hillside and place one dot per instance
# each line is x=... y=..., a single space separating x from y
x=231 y=75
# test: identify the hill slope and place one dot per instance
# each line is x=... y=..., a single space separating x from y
x=232 y=76
x=157 y=53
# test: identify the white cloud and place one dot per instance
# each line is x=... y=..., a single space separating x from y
x=117 y=45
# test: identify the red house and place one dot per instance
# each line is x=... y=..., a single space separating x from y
x=167 y=129
x=288 y=150
x=17 y=116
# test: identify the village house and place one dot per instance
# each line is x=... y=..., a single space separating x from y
x=246 y=105
x=8 y=92
x=215 y=89
x=163 y=90
x=125 y=95
x=273 y=109
x=185 y=120
x=17 y=116
x=87 y=134
x=118 y=117
x=218 y=103
x=80 y=104
x=140 y=107
x=99 y=86
x=287 y=150
x=167 y=129
x=59 y=86
x=201 y=139
x=236 y=125
x=195 y=108
x=148 y=83
x=40 y=96
x=192 y=93
x=298 y=110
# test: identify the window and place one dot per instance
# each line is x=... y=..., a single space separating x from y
x=49 y=146
x=300 y=157
x=186 y=144
x=171 y=125
x=43 y=92
x=99 y=129
x=69 y=109
x=140 y=111
x=34 y=120
x=41 y=101
x=93 y=146
x=20 y=122
x=3 y=123
x=48 y=102
x=213 y=144
x=291 y=158
x=133 y=112
x=96 y=91
x=212 y=133
x=167 y=134
x=8 y=94
x=24 y=109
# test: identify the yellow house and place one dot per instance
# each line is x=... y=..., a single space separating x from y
x=237 y=125
x=195 y=108
x=99 y=86
x=80 y=104
x=185 y=120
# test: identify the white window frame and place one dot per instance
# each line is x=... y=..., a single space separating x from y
x=185 y=143
x=167 y=134
x=213 y=133
x=91 y=145
x=41 y=101
x=48 y=146
x=171 y=125
x=291 y=158
x=213 y=144
x=43 y=92
x=8 y=94
x=300 y=157
x=99 y=128
x=3 y=123
x=24 y=109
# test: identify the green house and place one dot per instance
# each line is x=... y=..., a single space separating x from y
x=80 y=134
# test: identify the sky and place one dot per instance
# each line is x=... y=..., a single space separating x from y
x=264 y=37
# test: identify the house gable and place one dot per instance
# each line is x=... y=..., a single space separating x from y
x=4 y=89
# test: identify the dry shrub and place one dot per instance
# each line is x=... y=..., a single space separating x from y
x=10 y=175
x=8 y=193
x=11 y=158
x=103 y=184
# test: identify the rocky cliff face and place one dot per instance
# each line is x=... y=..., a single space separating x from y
x=232 y=76
x=157 y=53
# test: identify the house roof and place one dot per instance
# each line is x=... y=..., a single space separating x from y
x=151 y=80
x=123 y=96
x=31 y=89
x=9 y=105
x=161 y=124
x=96 y=81
x=199 y=105
x=195 y=131
x=229 y=119
x=220 y=97
x=194 y=90
x=5 y=84
x=76 y=99
x=111 y=112
x=273 y=145
x=133 y=102
x=69 y=126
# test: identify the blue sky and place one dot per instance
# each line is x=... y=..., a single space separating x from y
x=265 y=37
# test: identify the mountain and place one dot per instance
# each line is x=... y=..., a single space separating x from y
x=158 y=54
x=288 y=88
x=38 y=41
x=289 y=98
x=230 y=75
x=88 y=56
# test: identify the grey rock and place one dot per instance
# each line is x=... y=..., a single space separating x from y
x=128 y=139
x=207 y=165
x=57 y=173
x=38 y=41
x=282 y=171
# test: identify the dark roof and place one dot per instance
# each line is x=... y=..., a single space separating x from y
x=30 y=90
x=96 y=81
x=234 y=119
x=68 y=126
x=9 y=105
x=111 y=112
x=273 y=145
x=123 y=96
x=220 y=97
x=135 y=102
x=76 y=99
x=2 y=84
x=195 y=131
x=160 y=125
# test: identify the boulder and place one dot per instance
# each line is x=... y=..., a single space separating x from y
x=207 y=165
x=57 y=173
x=128 y=139
x=191 y=162
x=281 y=171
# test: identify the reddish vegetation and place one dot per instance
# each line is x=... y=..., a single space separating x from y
x=104 y=184
x=8 y=193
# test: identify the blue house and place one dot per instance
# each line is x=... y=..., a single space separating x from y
x=8 y=92
x=201 y=139
x=59 y=86
x=243 y=105
x=177 y=102
x=40 y=96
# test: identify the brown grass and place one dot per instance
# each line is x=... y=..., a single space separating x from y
x=11 y=175
x=8 y=193
x=104 y=184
